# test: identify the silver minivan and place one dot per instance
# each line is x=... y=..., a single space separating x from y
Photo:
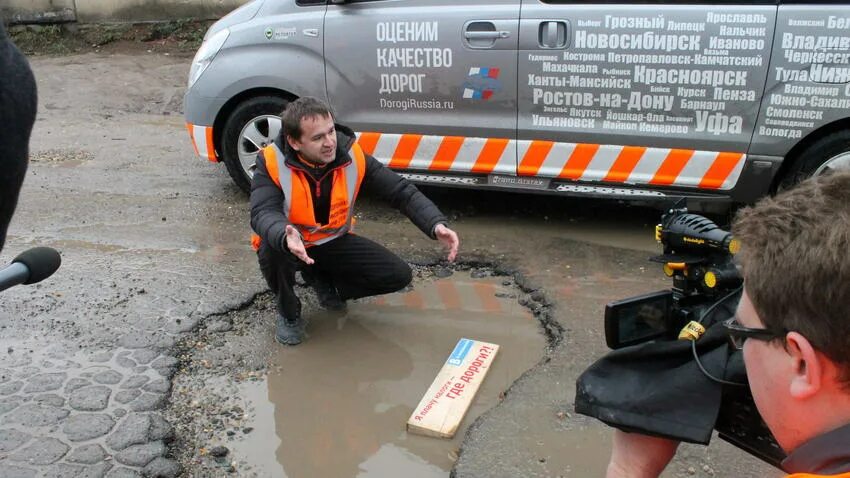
x=719 y=100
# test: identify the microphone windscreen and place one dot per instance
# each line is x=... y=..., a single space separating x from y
x=41 y=261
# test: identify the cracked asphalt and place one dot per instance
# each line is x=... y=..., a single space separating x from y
x=159 y=287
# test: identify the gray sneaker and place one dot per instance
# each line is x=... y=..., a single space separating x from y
x=289 y=332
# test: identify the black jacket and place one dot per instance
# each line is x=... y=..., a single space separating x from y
x=269 y=220
x=17 y=114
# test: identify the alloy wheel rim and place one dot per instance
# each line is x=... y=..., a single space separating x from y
x=256 y=135
x=840 y=162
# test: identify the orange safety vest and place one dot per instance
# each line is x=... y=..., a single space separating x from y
x=298 y=196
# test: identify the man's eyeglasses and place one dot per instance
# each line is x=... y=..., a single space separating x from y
x=738 y=333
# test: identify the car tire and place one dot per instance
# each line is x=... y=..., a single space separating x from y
x=240 y=144
x=830 y=153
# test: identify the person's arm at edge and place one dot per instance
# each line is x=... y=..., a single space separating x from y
x=634 y=455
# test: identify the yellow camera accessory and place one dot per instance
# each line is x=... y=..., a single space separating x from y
x=692 y=331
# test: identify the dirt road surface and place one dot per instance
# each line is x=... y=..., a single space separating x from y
x=150 y=352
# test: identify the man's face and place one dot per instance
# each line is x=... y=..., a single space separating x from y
x=318 y=140
x=769 y=371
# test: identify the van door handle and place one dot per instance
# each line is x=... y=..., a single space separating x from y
x=486 y=35
x=553 y=34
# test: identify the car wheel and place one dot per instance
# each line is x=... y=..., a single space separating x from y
x=253 y=125
x=828 y=154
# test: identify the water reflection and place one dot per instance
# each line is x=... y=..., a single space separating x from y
x=325 y=399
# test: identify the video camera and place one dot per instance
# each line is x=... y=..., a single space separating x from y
x=698 y=257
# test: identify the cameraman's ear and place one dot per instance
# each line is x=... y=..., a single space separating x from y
x=808 y=366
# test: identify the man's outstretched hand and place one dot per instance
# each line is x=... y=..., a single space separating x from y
x=296 y=245
x=449 y=239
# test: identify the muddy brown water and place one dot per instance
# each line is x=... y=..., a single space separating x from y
x=336 y=405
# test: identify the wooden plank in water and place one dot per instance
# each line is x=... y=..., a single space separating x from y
x=444 y=405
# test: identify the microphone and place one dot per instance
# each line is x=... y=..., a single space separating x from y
x=31 y=266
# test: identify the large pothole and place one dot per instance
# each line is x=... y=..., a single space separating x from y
x=337 y=404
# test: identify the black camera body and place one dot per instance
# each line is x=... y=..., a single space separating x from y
x=698 y=257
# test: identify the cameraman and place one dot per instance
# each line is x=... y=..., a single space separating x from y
x=795 y=311
x=17 y=115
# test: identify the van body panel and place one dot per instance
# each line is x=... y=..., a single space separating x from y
x=436 y=78
x=809 y=81
x=634 y=99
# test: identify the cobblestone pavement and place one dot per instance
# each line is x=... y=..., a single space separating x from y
x=68 y=413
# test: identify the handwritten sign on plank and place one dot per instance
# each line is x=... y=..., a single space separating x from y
x=446 y=402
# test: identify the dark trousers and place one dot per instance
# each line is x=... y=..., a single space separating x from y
x=356 y=266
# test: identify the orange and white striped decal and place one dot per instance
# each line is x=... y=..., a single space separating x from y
x=441 y=153
x=611 y=164
x=630 y=164
x=202 y=141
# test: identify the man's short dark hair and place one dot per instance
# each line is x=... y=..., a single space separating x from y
x=17 y=115
x=795 y=255
x=306 y=107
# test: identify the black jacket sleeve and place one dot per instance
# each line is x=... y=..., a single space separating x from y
x=402 y=195
x=267 y=217
x=17 y=115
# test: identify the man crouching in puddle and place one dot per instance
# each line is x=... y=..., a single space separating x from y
x=302 y=205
